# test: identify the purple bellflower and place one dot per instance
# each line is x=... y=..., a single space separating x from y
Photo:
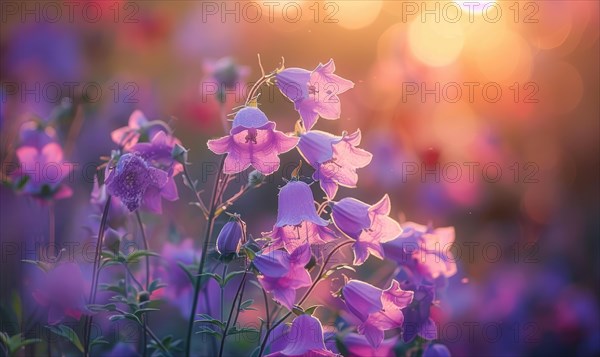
x=436 y=350
x=303 y=338
x=297 y=220
x=138 y=129
x=254 y=141
x=416 y=316
x=314 y=93
x=378 y=310
x=335 y=158
x=368 y=225
x=230 y=238
x=283 y=273
x=358 y=345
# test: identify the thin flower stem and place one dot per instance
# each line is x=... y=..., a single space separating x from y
x=186 y=174
x=140 y=286
x=306 y=294
x=148 y=331
x=51 y=231
x=146 y=247
x=95 y=273
x=237 y=294
x=266 y=308
x=223 y=290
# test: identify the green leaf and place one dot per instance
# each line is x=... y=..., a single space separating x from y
x=68 y=333
x=311 y=310
x=335 y=268
x=247 y=305
x=231 y=276
x=99 y=341
x=204 y=318
x=155 y=285
x=45 y=267
x=99 y=308
x=209 y=331
x=217 y=277
x=135 y=256
x=297 y=310
x=235 y=331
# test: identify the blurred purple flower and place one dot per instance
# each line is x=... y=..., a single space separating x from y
x=225 y=75
x=313 y=93
x=378 y=310
x=358 y=345
x=230 y=238
x=436 y=350
x=36 y=134
x=368 y=225
x=304 y=338
x=416 y=316
x=138 y=184
x=283 y=273
x=42 y=171
x=335 y=158
x=254 y=141
x=297 y=220
x=138 y=129
x=424 y=250
x=62 y=292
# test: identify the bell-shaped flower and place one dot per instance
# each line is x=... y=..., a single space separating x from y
x=62 y=292
x=358 y=345
x=230 y=238
x=417 y=320
x=138 y=129
x=254 y=141
x=425 y=250
x=36 y=133
x=303 y=338
x=436 y=350
x=282 y=273
x=297 y=220
x=41 y=172
x=335 y=158
x=314 y=93
x=368 y=225
x=137 y=184
x=378 y=310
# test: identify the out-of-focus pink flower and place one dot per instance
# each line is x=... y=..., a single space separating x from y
x=62 y=292
x=297 y=220
x=139 y=129
x=368 y=225
x=335 y=158
x=304 y=338
x=42 y=171
x=378 y=310
x=424 y=250
x=254 y=141
x=283 y=273
x=314 y=93
x=36 y=134
x=359 y=346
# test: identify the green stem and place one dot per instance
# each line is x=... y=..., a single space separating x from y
x=186 y=174
x=147 y=248
x=237 y=294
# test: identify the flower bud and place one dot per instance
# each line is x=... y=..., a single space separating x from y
x=230 y=237
x=179 y=154
x=112 y=240
x=255 y=178
x=143 y=296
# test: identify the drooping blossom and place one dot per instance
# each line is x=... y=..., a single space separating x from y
x=297 y=220
x=37 y=134
x=436 y=350
x=254 y=141
x=314 y=93
x=378 y=310
x=138 y=129
x=417 y=320
x=222 y=76
x=62 y=292
x=137 y=184
x=358 y=346
x=335 y=158
x=368 y=225
x=425 y=250
x=230 y=238
x=303 y=338
x=41 y=172
x=282 y=273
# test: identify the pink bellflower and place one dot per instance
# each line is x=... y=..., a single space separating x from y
x=303 y=338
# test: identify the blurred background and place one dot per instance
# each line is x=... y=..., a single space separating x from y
x=480 y=116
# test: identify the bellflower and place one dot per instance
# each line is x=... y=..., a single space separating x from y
x=358 y=345
x=283 y=273
x=314 y=93
x=254 y=141
x=137 y=184
x=297 y=220
x=436 y=350
x=424 y=250
x=416 y=316
x=335 y=158
x=138 y=129
x=62 y=292
x=368 y=225
x=37 y=134
x=230 y=238
x=304 y=338
x=378 y=310
x=42 y=171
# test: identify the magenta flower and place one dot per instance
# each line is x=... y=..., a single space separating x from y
x=137 y=184
x=304 y=338
x=138 y=129
x=230 y=238
x=368 y=225
x=283 y=273
x=335 y=158
x=378 y=310
x=297 y=220
x=254 y=141
x=426 y=251
x=358 y=345
x=314 y=93
x=41 y=172
x=62 y=292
